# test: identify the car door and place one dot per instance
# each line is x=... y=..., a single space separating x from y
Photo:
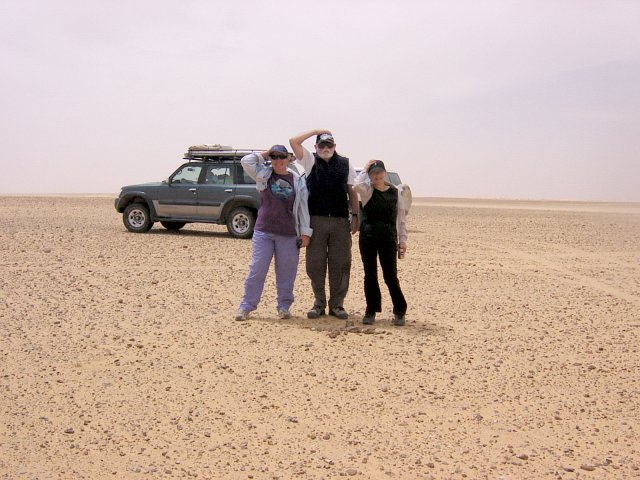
x=179 y=199
x=246 y=188
x=216 y=188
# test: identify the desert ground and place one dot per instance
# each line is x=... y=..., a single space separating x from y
x=120 y=357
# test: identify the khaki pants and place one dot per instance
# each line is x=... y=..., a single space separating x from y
x=330 y=248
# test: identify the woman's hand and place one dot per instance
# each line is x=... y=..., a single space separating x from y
x=368 y=164
x=305 y=240
x=402 y=250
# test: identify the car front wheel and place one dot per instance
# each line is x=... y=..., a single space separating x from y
x=136 y=218
x=240 y=222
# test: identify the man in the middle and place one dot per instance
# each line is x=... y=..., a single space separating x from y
x=333 y=206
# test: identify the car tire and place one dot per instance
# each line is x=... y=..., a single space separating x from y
x=173 y=225
x=240 y=222
x=136 y=218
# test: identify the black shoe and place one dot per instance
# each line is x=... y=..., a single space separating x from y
x=398 y=319
x=339 y=312
x=369 y=318
x=315 y=312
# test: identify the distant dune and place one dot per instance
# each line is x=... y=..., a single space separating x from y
x=559 y=205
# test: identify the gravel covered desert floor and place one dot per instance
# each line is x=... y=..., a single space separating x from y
x=120 y=358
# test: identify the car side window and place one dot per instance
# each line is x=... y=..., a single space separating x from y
x=218 y=175
x=243 y=177
x=187 y=175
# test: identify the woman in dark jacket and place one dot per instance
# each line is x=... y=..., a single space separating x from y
x=383 y=233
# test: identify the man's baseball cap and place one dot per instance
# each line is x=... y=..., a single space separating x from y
x=325 y=138
x=376 y=165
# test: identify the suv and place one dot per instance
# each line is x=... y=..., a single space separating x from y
x=211 y=187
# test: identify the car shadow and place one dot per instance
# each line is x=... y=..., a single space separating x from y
x=191 y=233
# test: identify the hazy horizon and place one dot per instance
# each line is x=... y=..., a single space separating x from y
x=526 y=100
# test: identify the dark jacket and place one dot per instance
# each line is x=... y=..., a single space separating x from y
x=327 y=185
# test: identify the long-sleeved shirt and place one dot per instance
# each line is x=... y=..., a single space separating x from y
x=255 y=167
x=365 y=190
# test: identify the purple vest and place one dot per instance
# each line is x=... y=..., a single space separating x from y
x=275 y=214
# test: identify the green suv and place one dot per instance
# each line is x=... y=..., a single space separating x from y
x=210 y=187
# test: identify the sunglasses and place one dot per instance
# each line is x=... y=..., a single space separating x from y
x=326 y=145
x=278 y=156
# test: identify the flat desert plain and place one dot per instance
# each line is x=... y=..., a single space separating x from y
x=120 y=358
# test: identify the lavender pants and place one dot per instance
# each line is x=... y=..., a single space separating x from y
x=265 y=246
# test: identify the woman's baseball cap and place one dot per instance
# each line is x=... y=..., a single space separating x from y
x=376 y=165
x=279 y=149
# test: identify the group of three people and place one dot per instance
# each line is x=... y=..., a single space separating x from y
x=320 y=211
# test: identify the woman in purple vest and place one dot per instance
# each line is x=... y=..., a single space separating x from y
x=282 y=227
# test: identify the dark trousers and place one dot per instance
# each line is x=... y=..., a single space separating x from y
x=370 y=250
x=330 y=248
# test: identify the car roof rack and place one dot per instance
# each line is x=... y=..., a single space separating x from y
x=212 y=151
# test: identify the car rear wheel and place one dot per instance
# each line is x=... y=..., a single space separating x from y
x=173 y=225
x=136 y=218
x=240 y=222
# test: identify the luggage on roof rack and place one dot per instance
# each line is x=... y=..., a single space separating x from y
x=204 y=152
x=216 y=147
x=198 y=151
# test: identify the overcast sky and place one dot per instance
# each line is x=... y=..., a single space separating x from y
x=490 y=99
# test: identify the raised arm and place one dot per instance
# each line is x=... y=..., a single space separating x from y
x=362 y=183
x=298 y=150
x=363 y=187
x=254 y=163
x=297 y=141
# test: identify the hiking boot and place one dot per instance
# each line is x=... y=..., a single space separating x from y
x=369 y=318
x=242 y=315
x=339 y=312
x=315 y=312
x=284 y=314
x=398 y=319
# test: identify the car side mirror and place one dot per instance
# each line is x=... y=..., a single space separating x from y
x=165 y=181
